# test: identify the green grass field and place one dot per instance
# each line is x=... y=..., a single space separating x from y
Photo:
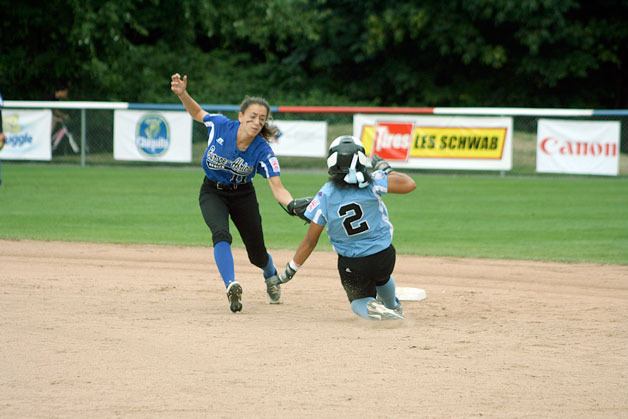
x=554 y=218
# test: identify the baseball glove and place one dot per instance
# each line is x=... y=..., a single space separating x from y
x=297 y=207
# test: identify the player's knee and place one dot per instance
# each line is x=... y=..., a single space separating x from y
x=382 y=282
x=259 y=259
x=221 y=236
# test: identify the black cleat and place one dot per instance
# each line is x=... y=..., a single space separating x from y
x=234 y=294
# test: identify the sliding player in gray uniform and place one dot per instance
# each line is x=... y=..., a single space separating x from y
x=236 y=151
x=351 y=207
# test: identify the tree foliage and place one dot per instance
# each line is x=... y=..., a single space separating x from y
x=563 y=53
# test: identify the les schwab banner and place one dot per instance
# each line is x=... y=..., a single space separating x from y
x=434 y=142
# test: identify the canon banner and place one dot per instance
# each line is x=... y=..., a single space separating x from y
x=577 y=147
x=152 y=136
x=300 y=138
x=435 y=142
x=27 y=135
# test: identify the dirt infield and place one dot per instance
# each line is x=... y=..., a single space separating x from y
x=91 y=330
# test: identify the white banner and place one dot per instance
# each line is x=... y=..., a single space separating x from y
x=577 y=147
x=300 y=138
x=152 y=136
x=437 y=142
x=27 y=135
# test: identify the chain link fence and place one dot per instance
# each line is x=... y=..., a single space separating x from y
x=97 y=127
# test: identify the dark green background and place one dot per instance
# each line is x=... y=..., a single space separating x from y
x=551 y=53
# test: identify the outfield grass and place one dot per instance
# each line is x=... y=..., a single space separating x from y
x=556 y=218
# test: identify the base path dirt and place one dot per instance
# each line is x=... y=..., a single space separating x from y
x=100 y=330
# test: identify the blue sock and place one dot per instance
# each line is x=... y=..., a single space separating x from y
x=224 y=261
x=387 y=293
x=359 y=307
x=269 y=269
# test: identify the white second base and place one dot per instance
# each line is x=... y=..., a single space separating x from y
x=411 y=294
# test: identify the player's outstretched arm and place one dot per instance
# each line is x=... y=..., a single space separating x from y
x=305 y=249
x=179 y=85
x=400 y=183
x=308 y=244
x=279 y=191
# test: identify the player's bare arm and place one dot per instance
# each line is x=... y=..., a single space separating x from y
x=400 y=183
x=280 y=192
x=179 y=85
x=397 y=182
x=308 y=244
x=305 y=249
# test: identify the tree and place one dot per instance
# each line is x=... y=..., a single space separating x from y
x=550 y=53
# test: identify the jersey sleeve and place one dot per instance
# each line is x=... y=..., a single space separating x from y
x=268 y=165
x=380 y=182
x=316 y=210
x=216 y=118
x=214 y=121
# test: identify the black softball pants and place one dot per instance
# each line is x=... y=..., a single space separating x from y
x=217 y=205
x=360 y=276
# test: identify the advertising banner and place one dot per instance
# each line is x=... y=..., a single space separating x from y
x=27 y=135
x=300 y=138
x=436 y=142
x=577 y=147
x=152 y=136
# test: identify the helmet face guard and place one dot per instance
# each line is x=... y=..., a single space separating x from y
x=346 y=152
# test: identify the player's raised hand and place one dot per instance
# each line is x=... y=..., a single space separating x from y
x=178 y=85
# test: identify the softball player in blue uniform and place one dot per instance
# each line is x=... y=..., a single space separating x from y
x=236 y=151
x=351 y=207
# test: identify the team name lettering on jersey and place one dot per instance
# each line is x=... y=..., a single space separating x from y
x=223 y=162
x=238 y=167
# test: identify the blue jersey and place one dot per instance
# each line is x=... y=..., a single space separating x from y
x=223 y=162
x=356 y=218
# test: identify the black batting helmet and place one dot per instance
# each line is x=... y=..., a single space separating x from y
x=342 y=152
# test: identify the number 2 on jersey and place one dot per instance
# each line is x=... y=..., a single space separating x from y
x=351 y=214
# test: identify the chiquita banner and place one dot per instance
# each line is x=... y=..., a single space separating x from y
x=436 y=142
x=300 y=138
x=152 y=136
x=577 y=147
x=27 y=135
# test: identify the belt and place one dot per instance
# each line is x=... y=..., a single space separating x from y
x=228 y=186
